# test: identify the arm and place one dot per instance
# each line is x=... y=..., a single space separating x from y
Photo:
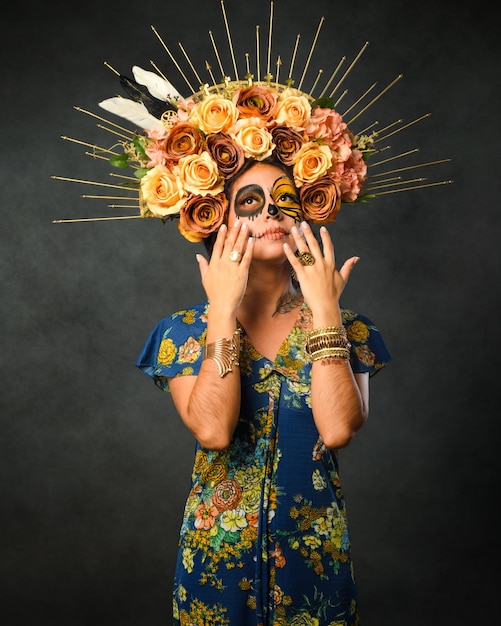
x=340 y=399
x=209 y=404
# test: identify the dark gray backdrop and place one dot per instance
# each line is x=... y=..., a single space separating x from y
x=94 y=462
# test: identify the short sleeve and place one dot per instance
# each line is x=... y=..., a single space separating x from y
x=175 y=346
x=368 y=350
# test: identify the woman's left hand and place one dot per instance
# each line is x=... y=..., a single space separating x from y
x=321 y=282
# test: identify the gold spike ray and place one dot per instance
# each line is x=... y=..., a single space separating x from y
x=393 y=82
x=229 y=40
x=350 y=67
x=403 y=127
x=322 y=19
x=172 y=58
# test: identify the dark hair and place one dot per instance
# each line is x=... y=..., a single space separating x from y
x=229 y=182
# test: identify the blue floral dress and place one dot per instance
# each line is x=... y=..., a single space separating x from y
x=264 y=539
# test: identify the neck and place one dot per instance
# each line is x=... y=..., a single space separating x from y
x=270 y=291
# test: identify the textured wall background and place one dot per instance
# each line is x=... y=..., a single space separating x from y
x=94 y=461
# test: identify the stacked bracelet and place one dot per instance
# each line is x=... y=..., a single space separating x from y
x=328 y=342
x=225 y=352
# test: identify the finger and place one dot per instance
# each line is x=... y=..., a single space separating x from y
x=203 y=265
x=248 y=248
x=219 y=243
x=327 y=245
x=348 y=266
x=310 y=239
x=233 y=235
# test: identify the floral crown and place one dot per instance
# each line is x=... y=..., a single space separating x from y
x=186 y=148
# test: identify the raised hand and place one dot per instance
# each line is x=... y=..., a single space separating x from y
x=225 y=275
x=321 y=282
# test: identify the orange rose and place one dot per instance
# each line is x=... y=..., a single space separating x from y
x=199 y=174
x=287 y=142
x=183 y=139
x=311 y=162
x=321 y=200
x=201 y=216
x=228 y=155
x=254 y=138
x=162 y=191
x=256 y=101
x=214 y=114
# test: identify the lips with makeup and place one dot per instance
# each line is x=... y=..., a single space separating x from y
x=276 y=232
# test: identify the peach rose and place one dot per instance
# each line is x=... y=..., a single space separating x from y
x=256 y=101
x=228 y=155
x=162 y=191
x=311 y=162
x=201 y=216
x=214 y=114
x=254 y=138
x=321 y=200
x=183 y=139
x=293 y=109
x=199 y=174
x=287 y=142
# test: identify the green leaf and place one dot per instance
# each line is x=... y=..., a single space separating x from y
x=120 y=161
x=138 y=144
x=140 y=172
x=323 y=103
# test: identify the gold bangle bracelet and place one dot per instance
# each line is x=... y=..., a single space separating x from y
x=225 y=352
x=330 y=353
x=323 y=330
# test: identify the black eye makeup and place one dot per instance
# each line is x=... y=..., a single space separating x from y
x=249 y=201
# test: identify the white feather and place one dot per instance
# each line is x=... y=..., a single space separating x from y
x=155 y=84
x=135 y=112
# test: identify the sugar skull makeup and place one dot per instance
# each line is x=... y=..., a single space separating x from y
x=250 y=200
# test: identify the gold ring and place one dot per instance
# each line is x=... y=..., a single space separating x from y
x=306 y=258
x=235 y=256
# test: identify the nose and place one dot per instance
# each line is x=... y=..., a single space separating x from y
x=272 y=210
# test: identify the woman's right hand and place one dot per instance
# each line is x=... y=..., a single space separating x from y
x=224 y=279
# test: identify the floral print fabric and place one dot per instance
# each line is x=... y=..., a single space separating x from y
x=264 y=539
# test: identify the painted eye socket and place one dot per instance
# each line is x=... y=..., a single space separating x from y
x=286 y=198
x=249 y=201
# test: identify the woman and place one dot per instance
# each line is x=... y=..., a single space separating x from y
x=271 y=378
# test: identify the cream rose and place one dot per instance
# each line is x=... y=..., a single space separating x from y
x=199 y=174
x=214 y=114
x=162 y=192
x=311 y=162
x=254 y=138
x=293 y=109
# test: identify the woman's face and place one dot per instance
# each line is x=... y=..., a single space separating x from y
x=265 y=197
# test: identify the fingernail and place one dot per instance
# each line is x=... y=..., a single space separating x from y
x=222 y=227
x=294 y=230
